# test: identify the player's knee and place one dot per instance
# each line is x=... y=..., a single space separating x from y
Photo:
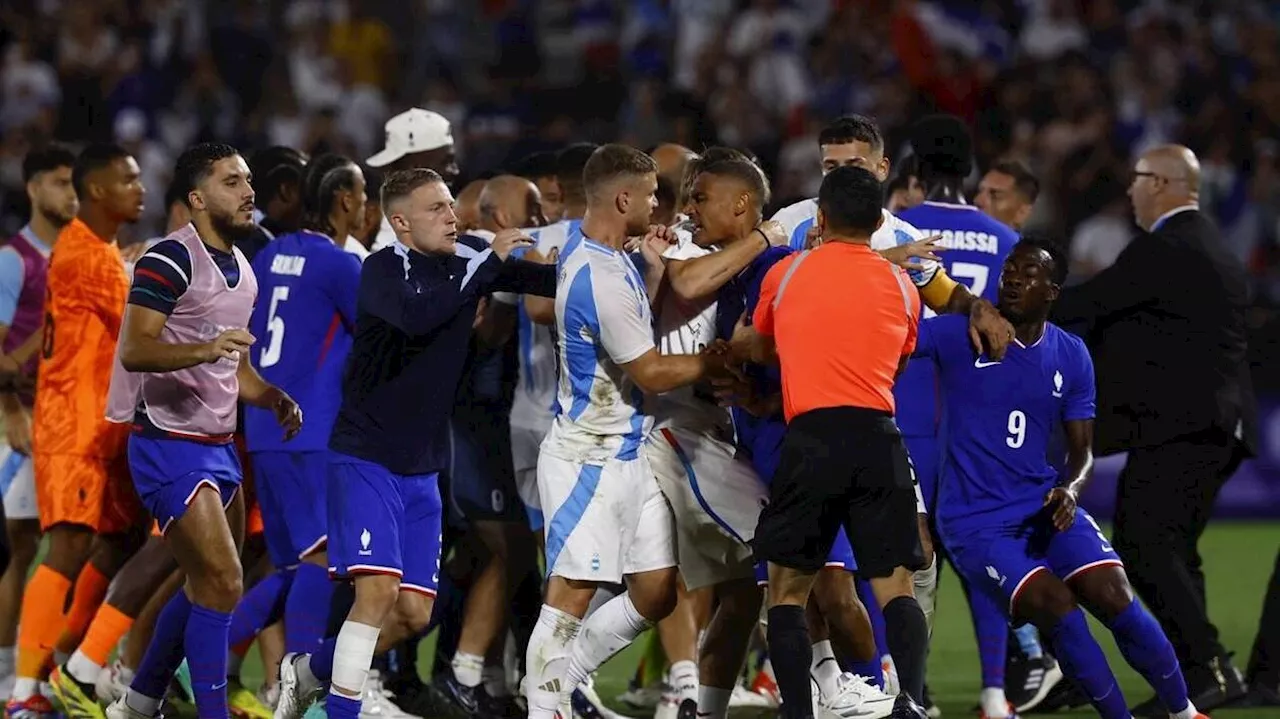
x=413 y=609
x=69 y=548
x=654 y=594
x=220 y=587
x=1045 y=603
x=1107 y=593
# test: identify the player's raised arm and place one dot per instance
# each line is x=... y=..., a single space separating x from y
x=700 y=277
x=517 y=275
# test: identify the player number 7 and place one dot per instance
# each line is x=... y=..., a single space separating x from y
x=974 y=275
x=275 y=328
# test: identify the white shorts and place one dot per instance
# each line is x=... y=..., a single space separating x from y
x=604 y=521
x=716 y=499
x=526 y=445
x=920 y=501
x=18 y=481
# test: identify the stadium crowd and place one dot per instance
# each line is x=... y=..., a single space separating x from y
x=276 y=378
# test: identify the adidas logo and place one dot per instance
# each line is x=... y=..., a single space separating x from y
x=552 y=686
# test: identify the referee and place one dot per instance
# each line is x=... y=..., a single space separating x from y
x=841 y=320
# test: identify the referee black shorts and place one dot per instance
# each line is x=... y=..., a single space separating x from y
x=841 y=466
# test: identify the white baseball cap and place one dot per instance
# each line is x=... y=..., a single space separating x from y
x=414 y=130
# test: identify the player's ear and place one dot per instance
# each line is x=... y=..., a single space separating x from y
x=622 y=201
x=882 y=169
x=1054 y=291
x=742 y=204
x=398 y=222
x=195 y=200
x=820 y=222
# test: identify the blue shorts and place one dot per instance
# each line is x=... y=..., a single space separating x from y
x=925 y=454
x=291 y=494
x=383 y=523
x=481 y=477
x=1000 y=560
x=167 y=473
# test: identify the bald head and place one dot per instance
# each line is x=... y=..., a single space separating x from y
x=1175 y=162
x=673 y=165
x=510 y=202
x=1165 y=178
x=468 y=202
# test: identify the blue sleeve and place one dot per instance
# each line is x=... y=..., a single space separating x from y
x=387 y=293
x=161 y=276
x=936 y=337
x=1080 y=396
x=342 y=285
x=11 y=273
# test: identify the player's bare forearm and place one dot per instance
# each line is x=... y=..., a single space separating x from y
x=254 y=390
x=1079 y=455
x=701 y=277
x=541 y=310
x=654 y=285
x=748 y=345
x=142 y=350
x=656 y=373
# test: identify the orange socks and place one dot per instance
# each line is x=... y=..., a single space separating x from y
x=107 y=629
x=42 y=620
x=90 y=590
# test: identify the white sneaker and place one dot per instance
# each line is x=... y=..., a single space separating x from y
x=113 y=682
x=119 y=710
x=295 y=693
x=857 y=698
x=743 y=697
x=376 y=702
x=642 y=697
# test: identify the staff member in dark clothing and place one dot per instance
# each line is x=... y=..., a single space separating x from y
x=414 y=315
x=843 y=461
x=1166 y=325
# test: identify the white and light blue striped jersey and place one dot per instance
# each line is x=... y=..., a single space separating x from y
x=797 y=219
x=534 y=404
x=604 y=321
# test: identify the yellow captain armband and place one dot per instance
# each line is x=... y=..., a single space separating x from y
x=937 y=292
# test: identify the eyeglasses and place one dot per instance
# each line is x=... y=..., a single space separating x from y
x=1135 y=175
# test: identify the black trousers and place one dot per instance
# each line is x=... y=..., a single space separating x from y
x=1164 y=499
x=1264 y=660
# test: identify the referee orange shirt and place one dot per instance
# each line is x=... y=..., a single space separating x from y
x=842 y=318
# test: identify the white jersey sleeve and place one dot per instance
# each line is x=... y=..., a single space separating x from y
x=895 y=232
x=796 y=220
x=625 y=324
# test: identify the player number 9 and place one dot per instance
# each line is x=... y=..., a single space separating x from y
x=1017 y=429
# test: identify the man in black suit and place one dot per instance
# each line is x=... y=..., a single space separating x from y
x=1166 y=325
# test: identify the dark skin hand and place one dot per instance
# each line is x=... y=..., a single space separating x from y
x=1078 y=473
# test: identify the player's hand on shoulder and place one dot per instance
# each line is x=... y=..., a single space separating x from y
x=288 y=414
x=907 y=256
x=228 y=345
x=989 y=331
x=812 y=238
x=1063 y=503
x=538 y=258
x=507 y=240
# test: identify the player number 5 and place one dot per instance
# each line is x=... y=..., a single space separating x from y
x=1017 y=429
x=275 y=328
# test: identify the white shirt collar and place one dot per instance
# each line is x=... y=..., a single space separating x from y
x=1177 y=210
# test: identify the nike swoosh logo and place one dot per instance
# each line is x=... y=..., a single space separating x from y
x=980 y=364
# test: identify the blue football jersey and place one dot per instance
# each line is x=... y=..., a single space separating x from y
x=303 y=322
x=999 y=417
x=977 y=246
x=759 y=437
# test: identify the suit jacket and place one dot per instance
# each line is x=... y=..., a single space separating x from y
x=1166 y=326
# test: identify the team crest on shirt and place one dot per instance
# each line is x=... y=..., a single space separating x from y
x=1057 y=383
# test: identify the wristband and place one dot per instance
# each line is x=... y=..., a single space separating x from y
x=763 y=236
